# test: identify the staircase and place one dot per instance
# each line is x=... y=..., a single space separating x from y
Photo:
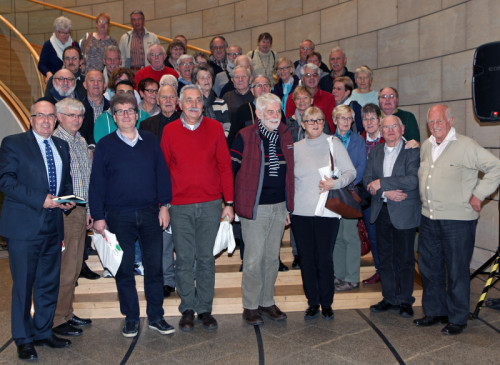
x=99 y=298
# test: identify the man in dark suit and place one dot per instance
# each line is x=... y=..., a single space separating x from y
x=34 y=168
x=391 y=176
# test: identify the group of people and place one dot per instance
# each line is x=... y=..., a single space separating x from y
x=173 y=143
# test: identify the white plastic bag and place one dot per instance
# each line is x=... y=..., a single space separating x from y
x=225 y=238
x=109 y=250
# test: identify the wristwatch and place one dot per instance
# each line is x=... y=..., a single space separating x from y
x=229 y=204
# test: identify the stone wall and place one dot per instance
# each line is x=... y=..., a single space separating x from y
x=424 y=48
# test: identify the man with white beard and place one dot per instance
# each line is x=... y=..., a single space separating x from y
x=64 y=83
x=262 y=158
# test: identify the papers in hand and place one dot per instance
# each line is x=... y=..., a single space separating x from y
x=69 y=199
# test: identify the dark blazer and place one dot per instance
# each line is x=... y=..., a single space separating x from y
x=404 y=214
x=23 y=180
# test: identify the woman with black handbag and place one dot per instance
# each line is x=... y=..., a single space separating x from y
x=314 y=226
x=347 y=254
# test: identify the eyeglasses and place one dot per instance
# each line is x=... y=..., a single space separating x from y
x=42 y=116
x=234 y=54
x=314 y=121
x=74 y=116
x=65 y=79
x=157 y=54
x=186 y=64
x=103 y=22
x=391 y=96
x=372 y=119
x=306 y=49
x=394 y=126
x=284 y=68
x=218 y=48
x=151 y=91
x=311 y=75
x=74 y=58
x=260 y=86
x=344 y=119
x=122 y=112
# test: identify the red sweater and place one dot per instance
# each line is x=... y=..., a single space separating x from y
x=199 y=162
x=155 y=75
x=323 y=100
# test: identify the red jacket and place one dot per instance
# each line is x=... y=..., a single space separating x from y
x=248 y=176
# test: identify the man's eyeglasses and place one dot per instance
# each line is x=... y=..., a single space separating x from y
x=74 y=116
x=64 y=79
x=122 y=112
x=42 y=116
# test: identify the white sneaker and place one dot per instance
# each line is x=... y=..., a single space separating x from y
x=106 y=274
x=139 y=269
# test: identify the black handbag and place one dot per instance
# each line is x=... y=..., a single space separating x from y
x=345 y=201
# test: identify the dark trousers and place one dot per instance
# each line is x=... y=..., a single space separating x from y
x=315 y=239
x=128 y=226
x=397 y=260
x=35 y=266
x=372 y=236
x=444 y=252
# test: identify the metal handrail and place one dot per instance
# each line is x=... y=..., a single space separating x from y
x=16 y=105
x=74 y=12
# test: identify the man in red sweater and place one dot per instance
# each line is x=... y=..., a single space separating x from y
x=196 y=152
x=309 y=75
x=156 y=69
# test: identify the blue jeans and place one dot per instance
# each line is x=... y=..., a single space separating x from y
x=128 y=225
x=194 y=228
x=445 y=249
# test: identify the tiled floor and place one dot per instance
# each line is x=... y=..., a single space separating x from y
x=348 y=339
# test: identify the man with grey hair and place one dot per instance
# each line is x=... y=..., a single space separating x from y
x=156 y=56
x=218 y=60
x=451 y=193
x=242 y=77
x=129 y=194
x=242 y=60
x=309 y=76
x=338 y=61
x=305 y=49
x=135 y=43
x=262 y=158
x=112 y=60
x=223 y=77
x=391 y=177
x=195 y=149
x=63 y=86
x=70 y=113
x=185 y=65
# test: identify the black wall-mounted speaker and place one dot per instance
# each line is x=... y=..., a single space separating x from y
x=486 y=82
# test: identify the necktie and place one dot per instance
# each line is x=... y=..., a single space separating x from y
x=52 y=168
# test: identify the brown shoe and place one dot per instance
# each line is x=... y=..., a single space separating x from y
x=207 y=320
x=252 y=317
x=187 y=321
x=272 y=312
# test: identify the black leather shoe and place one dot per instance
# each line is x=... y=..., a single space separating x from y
x=327 y=313
x=429 y=321
x=296 y=263
x=311 y=312
x=77 y=321
x=382 y=306
x=453 y=329
x=27 y=351
x=186 y=323
x=167 y=289
x=54 y=342
x=405 y=310
x=283 y=267
x=87 y=273
x=66 y=329
x=208 y=321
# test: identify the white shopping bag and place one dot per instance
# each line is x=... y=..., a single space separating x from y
x=109 y=250
x=225 y=238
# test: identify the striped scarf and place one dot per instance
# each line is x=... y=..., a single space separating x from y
x=272 y=137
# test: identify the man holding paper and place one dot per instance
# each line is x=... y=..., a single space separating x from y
x=129 y=192
x=70 y=113
x=34 y=169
